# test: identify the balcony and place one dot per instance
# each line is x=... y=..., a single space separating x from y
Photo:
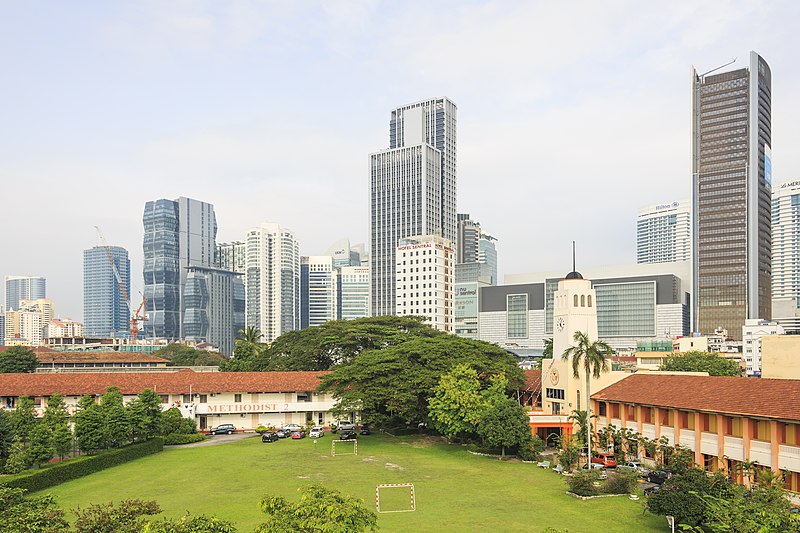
x=789 y=457
x=687 y=438
x=734 y=448
x=669 y=433
x=761 y=451
x=649 y=431
x=709 y=444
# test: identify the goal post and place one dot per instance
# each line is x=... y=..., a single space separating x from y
x=394 y=486
x=347 y=451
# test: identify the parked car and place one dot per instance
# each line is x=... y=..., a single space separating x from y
x=345 y=426
x=606 y=459
x=299 y=434
x=291 y=427
x=316 y=432
x=658 y=476
x=650 y=488
x=348 y=435
x=283 y=433
x=223 y=429
x=635 y=466
x=269 y=436
x=365 y=430
x=597 y=467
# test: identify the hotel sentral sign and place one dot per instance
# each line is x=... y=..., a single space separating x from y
x=259 y=407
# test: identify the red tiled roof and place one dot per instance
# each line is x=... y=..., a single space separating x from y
x=78 y=384
x=97 y=357
x=533 y=380
x=754 y=397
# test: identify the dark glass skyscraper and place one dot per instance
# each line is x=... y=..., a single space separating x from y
x=732 y=185
x=105 y=311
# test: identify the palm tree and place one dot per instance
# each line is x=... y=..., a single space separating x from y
x=579 y=417
x=591 y=356
x=250 y=334
x=547 y=353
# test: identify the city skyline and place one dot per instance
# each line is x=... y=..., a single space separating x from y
x=218 y=103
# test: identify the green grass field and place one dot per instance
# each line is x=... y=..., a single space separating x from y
x=455 y=490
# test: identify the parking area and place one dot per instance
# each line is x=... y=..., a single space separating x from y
x=217 y=439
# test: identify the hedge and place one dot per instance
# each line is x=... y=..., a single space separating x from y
x=39 y=479
x=176 y=439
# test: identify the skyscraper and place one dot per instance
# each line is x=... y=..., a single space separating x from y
x=664 y=233
x=273 y=280
x=353 y=294
x=105 y=310
x=425 y=279
x=732 y=174
x=23 y=288
x=177 y=234
x=319 y=280
x=476 y=267
x=412 y=187
x=213 y=306
x=786 y=245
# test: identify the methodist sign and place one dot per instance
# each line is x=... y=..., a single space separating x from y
x=257 y=407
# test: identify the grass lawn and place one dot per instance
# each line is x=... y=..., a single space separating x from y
x=455 y=490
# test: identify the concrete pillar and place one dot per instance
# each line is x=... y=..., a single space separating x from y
x=775 y=446
x=721 y=465
x=698 y=434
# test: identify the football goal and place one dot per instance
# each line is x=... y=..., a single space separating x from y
x=346 y=447
x=396 y=498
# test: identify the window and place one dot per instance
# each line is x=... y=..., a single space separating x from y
x=303 y=397
x=203 y=398
x=237 y=398
x=601 y=409
x=164 y=398
x=589 y=301
x=517 y=316
x=583 y=300
x=554 y=394
x=575 y=301
x=187 y=398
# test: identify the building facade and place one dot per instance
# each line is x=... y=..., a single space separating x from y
x=353 y=292
x=319 y=290
x=105 y=299
x=232 y=256
x=213 y=307
x=425 y=282
x=732 y=174
x=412 y=189
x=752 y=333
x=664 y=232
x=24 y=288
x=786 y=253
x=64 y=328
x=273 y=280
x=177 y=234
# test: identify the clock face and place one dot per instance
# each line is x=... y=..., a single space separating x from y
x=560 y=324
x=554 y=376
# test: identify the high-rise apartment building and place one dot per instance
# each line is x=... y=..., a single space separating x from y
x=425 y=279
x=177 y=234
x=213 y=306
x=23 y=288
x=413 y=189
x=105 y=307
x=732 y=173
x=319 y=280
x=26 y=326
x=232 y=256
x=664 y=233
x=786 y=242
x=273 y=280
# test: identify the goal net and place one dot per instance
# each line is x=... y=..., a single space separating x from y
x=346 y=447
x=395 y=498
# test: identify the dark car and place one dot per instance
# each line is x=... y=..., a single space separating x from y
x=365 y=430
x=223 y=429
x=348 y=435
x=658 y=476
x=299 y=434
x=269 y=436
x=283 y=433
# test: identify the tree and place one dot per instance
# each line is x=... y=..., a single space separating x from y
x=18 y=359
x=144 y=414
x=547 y=353
x=182 y=355
x=23 y=418
x=55 y=414
x=579 y=417
x=591 y=357
x=190 y=524
x=62 y=441
x=29 y=515
x=250 y=334
x=760 y=510
x=460 y=400
x=393 y=384
x=6 y=436
x=17 y=460
x=701 y=362
x=117 y=430
x=40 y=445
x=127 y=517
x=319 y=509
x=89 y=431
x=172 y=422
x=505 y=424
x=682 y=495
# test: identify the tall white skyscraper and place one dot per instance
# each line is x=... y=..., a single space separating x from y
x=425 y=279
x=664 y=232
x=786 y=242
x=412 y=187
x=273 y=280
x=318 y=290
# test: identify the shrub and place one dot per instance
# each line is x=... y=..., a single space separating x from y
x=36 y=480
x=177 y=439
x=261 y=429
x=582 y=483
x=528 y=453
x=620 y=482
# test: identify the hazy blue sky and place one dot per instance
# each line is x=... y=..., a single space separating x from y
x=571 y=116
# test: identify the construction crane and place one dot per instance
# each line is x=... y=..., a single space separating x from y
x=141 y=312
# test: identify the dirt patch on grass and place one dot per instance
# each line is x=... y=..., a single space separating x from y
x=369 y=459
x=427 y=442
x=392 y=466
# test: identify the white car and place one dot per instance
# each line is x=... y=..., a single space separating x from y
x=291 y=427
x=316 y=432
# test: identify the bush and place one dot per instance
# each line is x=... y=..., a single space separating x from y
x=582 y=483
x=528 y=453
x=36 y=480
x=620 y=482
x=176 y=439
x=261 y=429
x=172 y=421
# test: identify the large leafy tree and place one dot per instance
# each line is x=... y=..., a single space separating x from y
x=117 y=430
x=759 y=510
x=40 y=445
x=18 y=359
x=682 y=496
x=19 y=514
x=505 y=424
x=6 y=436
x=591 y=358
x=144 y=414
x=89 y=420
x=182 y=355
x=23 y=418
x=461 y=398
x=701 y=362
x=395 y=382
x=319 y=509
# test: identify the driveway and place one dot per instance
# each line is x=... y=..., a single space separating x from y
x=217 y=439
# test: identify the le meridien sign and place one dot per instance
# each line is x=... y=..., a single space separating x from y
x=224 y=408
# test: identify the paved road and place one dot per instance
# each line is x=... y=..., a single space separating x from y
x=217 y=439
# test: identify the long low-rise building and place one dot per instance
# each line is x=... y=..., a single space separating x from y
x=244 y=399
x=725 y=421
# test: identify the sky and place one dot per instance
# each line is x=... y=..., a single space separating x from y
x=571 y=117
